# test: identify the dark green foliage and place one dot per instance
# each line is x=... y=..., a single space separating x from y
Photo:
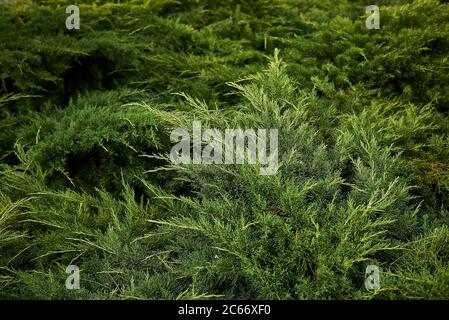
x=85 y=122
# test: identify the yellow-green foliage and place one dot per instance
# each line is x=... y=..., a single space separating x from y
x=85 y=122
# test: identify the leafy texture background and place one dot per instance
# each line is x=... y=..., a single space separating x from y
x=85 y=121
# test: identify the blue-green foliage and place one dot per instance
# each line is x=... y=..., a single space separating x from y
x=85 y=122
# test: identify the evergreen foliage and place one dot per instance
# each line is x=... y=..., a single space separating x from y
x=85 y=176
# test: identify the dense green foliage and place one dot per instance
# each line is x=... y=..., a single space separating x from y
x=85 y=122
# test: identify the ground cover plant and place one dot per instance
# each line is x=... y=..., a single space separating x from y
x=85 y=171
